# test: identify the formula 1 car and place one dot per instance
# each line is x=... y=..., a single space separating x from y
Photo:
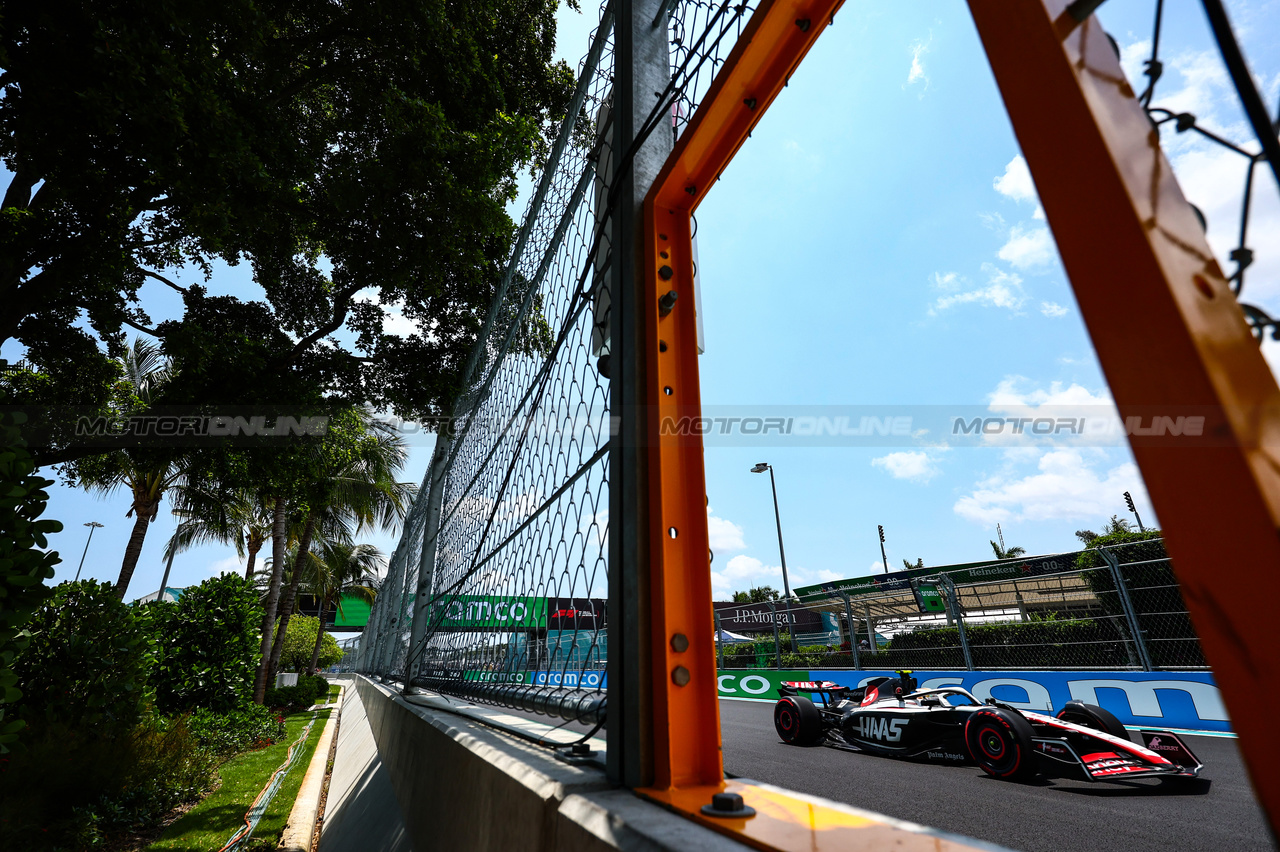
x=892 y=718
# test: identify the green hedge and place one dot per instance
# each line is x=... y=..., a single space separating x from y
x=308 y=691
x=207 y=646
x=226 y=734
x=1153 y=590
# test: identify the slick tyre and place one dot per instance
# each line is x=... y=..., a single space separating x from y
x=798 y=722
x=999 y=741
x=1093 y=716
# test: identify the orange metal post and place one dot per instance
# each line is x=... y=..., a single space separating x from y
x=685 y=710
x=1170 y=337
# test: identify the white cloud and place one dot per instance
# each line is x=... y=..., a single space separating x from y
x=917 y=72
x=1027 y=248
x=1015 y=398
x=1053 y=309
x=1016 y=181
x=946 y=281
x=1066 y=486
x=1003 y=290
x=724 y=536
x=744 y=572
x=230 y=565
x=913 y=466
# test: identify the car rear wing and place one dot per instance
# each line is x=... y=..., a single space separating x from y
x=793 y=687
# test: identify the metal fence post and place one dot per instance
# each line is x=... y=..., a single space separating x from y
x=777 y=640
x=434 y=485
x=953 y=604
x=719 y=644
x=641 y=68
x=853 y=633
x=1135 y=629
x=871 y=628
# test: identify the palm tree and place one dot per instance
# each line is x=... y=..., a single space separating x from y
x=206 y=516
x=337 y=571
x=1008 y=553
x=353 y=477
x=147 y=472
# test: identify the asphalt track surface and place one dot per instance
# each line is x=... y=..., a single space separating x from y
x=1216 y=812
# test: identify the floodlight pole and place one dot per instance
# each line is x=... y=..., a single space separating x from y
x=786 y=583
x=92 y=525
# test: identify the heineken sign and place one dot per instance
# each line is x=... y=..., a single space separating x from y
x=966 y=572
x=487 y=612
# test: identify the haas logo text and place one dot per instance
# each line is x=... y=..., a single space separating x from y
x=880 y=728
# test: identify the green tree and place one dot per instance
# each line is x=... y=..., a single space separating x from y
x=338 y=570
x=919 y=563
x=759 y=594
x=207 y=515
x=24 y=563
x=87 y=667
x=1008 y=552
x=352 y=477
x=335 y=147
x=147 y=472
x=208 y=646
x=300 y=642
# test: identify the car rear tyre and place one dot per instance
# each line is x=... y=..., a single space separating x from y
x=999 y=741
x=1093 y=716
x=798 y=722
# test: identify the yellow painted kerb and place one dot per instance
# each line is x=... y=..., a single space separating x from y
x=790 y=823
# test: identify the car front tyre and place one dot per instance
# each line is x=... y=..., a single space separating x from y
x=999 y=741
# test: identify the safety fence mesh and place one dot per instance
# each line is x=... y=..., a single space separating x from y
x=509 y=570
x=1077 y=620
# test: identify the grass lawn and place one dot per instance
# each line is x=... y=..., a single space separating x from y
x=209 y=824
x=334 y=689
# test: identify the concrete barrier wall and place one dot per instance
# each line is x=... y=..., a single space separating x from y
x=1187 y=700
x=461 y=785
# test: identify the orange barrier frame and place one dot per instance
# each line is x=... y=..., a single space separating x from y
x=1162 y=317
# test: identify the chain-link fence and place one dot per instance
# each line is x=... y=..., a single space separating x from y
x=498 y=587
x=1120 y=609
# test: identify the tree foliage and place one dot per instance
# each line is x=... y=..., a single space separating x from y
x=24 y=563
x=334 y=147
x=208 y=646
x=758 y=594
x=87 y=666
x=300 y=641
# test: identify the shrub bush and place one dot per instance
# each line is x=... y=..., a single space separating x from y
x=73 y=790
x=288 y=698
x=226 y=734
x=318 y=686
x=208 y=647
x=87 y=665
x=24 y=562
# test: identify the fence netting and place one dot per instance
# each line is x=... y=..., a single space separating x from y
x=509 y=572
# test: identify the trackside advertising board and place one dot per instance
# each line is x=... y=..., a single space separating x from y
x=1150 y=699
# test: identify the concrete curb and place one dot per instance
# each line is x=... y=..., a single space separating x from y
x=300 y=830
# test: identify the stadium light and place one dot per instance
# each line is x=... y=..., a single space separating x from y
x=786 y=583
x=883 y=558
x=1128 y=499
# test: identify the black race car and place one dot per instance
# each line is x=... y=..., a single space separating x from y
x=892 y=718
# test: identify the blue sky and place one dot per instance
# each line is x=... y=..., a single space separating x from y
x=878 y=242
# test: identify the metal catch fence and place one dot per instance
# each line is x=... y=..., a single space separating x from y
x=1121 y=609
x=498 y=588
